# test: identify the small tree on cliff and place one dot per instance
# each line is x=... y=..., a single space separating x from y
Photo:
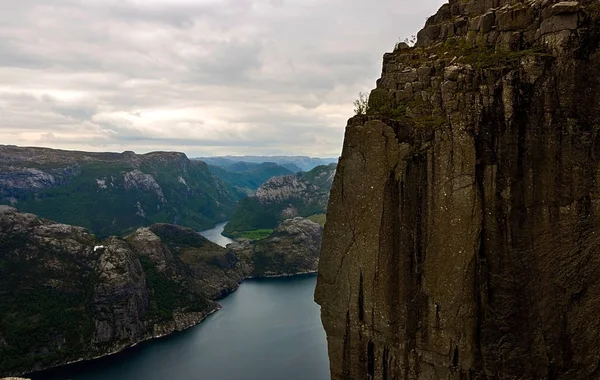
x=361 y=105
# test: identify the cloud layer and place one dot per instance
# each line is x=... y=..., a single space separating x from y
x=206 y=77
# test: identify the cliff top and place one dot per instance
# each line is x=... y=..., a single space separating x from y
x=11 y=155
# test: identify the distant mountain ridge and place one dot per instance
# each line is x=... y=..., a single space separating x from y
x=114 y=193
x=246 y=176
x=293 y=163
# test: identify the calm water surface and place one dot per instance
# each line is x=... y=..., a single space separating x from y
x=214 y=235
x=270 y=329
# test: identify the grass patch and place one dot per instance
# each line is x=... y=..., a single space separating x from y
x=318 y=218
x=254 y=234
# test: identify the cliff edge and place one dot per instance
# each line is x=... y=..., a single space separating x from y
x=461 y=237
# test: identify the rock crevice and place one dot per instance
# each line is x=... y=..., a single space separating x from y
x=460 y=238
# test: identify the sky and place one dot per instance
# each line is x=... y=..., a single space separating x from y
x=205 y=77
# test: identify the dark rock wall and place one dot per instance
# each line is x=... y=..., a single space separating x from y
x=461 y=238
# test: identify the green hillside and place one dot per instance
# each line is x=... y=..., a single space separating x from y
x=280 y=198
x=247 y=177
x=115 y=193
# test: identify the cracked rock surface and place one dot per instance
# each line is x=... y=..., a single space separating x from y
x=462 y=230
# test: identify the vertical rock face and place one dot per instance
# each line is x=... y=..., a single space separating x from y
x=462 y=230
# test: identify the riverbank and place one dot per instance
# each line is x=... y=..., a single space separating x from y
x=181 y=320
x=170 y=328
x=273 y=318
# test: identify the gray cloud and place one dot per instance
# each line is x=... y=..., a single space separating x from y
x=204 y=77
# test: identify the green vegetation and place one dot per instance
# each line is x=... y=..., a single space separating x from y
x=98 y=199
x=247 y=177
x=489 y=56
x=36 y=318
x=318 y=218
x=418 y=113
x=175 y=236
x=478 y=55
x=53 y=290
x=254 y=234
x=252 y=215
x=361 y=105
x=168 y=296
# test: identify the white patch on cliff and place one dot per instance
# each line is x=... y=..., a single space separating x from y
x=140 y=210
x=101 y=183
x=145 y=182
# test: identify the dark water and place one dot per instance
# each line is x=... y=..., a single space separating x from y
x=214 y=235
x=270 y=329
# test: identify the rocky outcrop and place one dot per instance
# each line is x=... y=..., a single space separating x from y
x=284 y=197
x=113 y=193
x=293 y=248
x=67 y=296
x=278 y=189
x=137 y=180
x=461 y=230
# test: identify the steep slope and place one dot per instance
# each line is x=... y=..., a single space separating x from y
x=292 y=248
x=282 y=198
x=461 y=239
x=247 y=177
x=65 y=295
x=112 y=193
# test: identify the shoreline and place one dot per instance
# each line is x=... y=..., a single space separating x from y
x=162 y=336
x=122 y=349
x=298 y=274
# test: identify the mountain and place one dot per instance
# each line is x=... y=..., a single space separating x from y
x=462 y=231
x=66 y=295
x=292 y=163
x=292 y=248
x=247 y=177
x=280 y=198
x=113 y=193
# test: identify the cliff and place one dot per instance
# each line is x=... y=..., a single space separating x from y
x=461 y=239
x=65 y=295
x=292 y=248
x=281 y=198
x=113 y=193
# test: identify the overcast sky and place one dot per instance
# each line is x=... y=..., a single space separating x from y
x=206 y=77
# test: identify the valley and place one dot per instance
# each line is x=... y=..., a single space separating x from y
x=76 y=296
x=265 y=318
x=456 y=236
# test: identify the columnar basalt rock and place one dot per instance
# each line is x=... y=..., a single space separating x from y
x=462 y=229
